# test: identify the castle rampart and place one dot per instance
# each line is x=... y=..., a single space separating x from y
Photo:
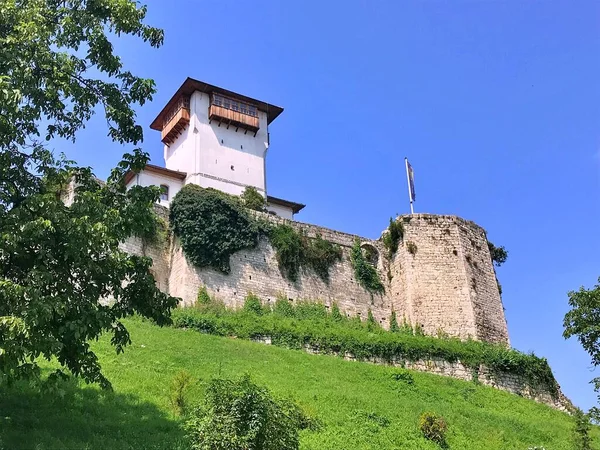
x=441 y=277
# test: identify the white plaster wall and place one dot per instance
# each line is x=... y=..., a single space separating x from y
x=282 y=211
x=145 y=178
x=216 y=156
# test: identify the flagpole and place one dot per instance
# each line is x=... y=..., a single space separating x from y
x=408 y=182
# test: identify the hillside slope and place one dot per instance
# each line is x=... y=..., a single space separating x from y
x=361 y=405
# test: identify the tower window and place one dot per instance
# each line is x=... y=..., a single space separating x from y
x=234 y=105
x=164 y=192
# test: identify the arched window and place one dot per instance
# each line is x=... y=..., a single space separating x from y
x=164 y=192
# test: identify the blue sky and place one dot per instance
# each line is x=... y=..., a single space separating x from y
x=496 y=104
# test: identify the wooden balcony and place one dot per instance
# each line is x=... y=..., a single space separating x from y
x=176 y=121
x=233 y=118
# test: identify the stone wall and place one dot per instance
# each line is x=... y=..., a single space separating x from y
x=441 y=277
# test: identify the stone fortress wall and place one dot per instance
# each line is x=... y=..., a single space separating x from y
x=441 y=277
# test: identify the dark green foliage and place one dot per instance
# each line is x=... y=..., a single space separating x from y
x=178 y=392
x=341 y=335
x=392 y=238
x=498 y=254
x=211 y=226
x=583 y=322
x=581 y=431
x=371 y=322
x=294 y=250
x=433 y=427
x=240 y=415
x=57 y=68
x=253 y=305
x=365 y=273
x=203 y=297
x=394 y=328
x=283 y=307
x=335 y=313
x=252 y=199
x=404 y=376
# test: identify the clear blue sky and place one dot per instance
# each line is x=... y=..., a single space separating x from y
x=496 y=104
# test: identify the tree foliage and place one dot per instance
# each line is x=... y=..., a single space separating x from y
x=240 y=415
x=365 y=273
x=56 y=260
x=252 y=199
x=393 y=236
x=583 y=321
x=498 y=254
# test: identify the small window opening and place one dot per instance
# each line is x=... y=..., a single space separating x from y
x=164 y=192
x=232 y=168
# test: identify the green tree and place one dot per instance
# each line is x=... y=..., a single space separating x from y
x=583 y=321
x=394 y=328
x=498 y=254
x=58 y=260
x=252 y=199
x=239 y=415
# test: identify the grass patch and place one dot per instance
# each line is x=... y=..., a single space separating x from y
x=361 y=406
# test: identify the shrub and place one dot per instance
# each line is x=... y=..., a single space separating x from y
x=252 y=199
x=211 y=226
x=433 y=427
x=203 y=297
x=371 y=322
x=178 y=392
x=239 y=415
x=253 y=305
x=283 y=307
x=394 y=328
x=581 y=431
x=498 y=254
x=336 y=314
x=365 y=273
x=393 y=236
x=403 y=375
x=294 y=250
x=411 y=247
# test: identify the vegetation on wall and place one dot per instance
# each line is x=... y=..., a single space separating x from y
x=252 y=199
x=212 y=226
x=411 y=247
x=294 y=250
x=498 y=254
x=366 y=274
x=311 y=324
x=393 y=236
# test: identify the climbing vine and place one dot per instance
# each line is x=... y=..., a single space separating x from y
x=392 y=237
x=294 y=250
x=212 y=226
x=365 y=273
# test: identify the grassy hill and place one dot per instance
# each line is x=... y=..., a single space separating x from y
x=362 y=406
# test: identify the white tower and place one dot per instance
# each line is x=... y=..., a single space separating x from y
x=214 y=138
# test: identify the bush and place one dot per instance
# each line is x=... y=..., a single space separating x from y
x=404 y=376
x=392 y=237
x=294 y=251
x=581 y=431
x=365 y=273
x=394 y=328
x=203 y=297
x=253 y=305
x=239 y=415
x=283 y=307
x=312 y=325
x=211 y=226
x=433 y=427
x=252 y=199
x=336 y=315
x=178 y=392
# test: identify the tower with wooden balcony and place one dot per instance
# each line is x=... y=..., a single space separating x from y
x=216 y=138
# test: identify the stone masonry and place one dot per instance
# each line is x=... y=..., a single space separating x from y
x=441 y=278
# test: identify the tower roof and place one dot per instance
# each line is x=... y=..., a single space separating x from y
x=190 y=85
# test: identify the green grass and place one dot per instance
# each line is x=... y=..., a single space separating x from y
x=348 y=397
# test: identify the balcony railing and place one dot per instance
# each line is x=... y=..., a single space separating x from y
x=233 y=113
x=176 y=121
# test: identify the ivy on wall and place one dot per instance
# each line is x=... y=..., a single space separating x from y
x=294 y=250
x=392 y=237
x=212 y=226
x=365 y=272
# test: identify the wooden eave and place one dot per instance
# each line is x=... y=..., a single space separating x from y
x=191 y=85
x=175 y=174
